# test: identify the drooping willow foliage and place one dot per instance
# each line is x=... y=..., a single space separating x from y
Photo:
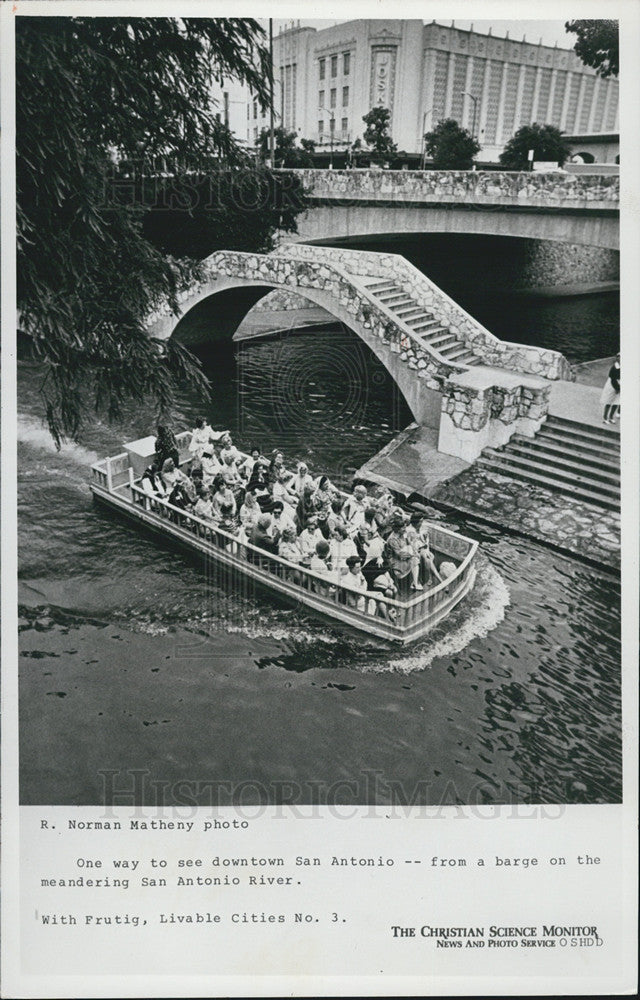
x=105 y=107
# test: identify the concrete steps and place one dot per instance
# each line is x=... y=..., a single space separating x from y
x=420 y=321
x=579 y=460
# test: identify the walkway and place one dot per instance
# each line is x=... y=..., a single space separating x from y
x=411 y=464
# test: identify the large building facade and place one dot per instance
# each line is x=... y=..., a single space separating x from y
x=326 y=80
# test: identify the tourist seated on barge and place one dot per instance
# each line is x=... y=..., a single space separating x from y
x=404 y=563
x=171 y=474
x=309 y=536
x=152 y=481
x=203 y=507
x=210 y=466
x=305 y=508
x=418 y=535
x=302 y=480
x=354 y=508
x=245 y=468
x=342 y=547
x=179 y=497
x=321 y=499
x=227 y=447
x=335 y=518
x=259 y=484
x=231 y=474
x=282 y=491
x=372 y=552
x=261 y=537
x=289 y=546
x=320 y=563
x=282 y=518
x=228 y=522
x=354 y=581
x=249 y=512
x=201 y=437
x=221 y=494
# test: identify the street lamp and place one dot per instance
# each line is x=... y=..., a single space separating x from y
x=331 y=128
x=424 y=129
x=465 y=93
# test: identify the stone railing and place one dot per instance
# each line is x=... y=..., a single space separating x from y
x=343 y=294
x=497 y=353
x=482 y=188
x=477 y=413
x=476 y=402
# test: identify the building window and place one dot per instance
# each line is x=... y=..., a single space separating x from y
x=255 y=109
x=248 y=112
x=332 y=125
x=333 y=97
x=255 y=135
x=345 y=96
x=289 y=96
x=321 y=99
x=321 y=67
x=345 y=126
x=334 y=65
x=346 y=63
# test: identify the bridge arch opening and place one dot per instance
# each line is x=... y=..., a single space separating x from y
x=320 y=394
x=541 y=292
x=216 y=314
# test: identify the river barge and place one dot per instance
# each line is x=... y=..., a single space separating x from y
x=115 y=482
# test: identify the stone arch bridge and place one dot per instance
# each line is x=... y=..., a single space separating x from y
x=563 y=207
x=455 y=375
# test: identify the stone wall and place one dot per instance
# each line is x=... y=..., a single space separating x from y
x=546 y=263
x=281 y=299
x=490 y=187
x=475 y=417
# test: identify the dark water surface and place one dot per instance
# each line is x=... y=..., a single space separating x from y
x=133 y=657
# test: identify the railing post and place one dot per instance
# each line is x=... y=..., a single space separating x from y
x=109 y=477
x=131 y=478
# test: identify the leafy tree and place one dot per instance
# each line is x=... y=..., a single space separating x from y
x=193 y=215
x=450 y=146
x=286 y=151
x=376 y=134
x=91 y=93
x=546 y=141
x=597 y=44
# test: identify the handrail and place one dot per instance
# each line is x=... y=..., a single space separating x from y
x=263 y=552
x=411 y=603
x=424 y=597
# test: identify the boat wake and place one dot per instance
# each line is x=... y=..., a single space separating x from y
x=30 y=431
x=472 y=619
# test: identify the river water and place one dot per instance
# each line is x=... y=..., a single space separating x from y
x=133 y=657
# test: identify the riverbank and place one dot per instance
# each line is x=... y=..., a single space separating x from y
x=576 y=290
x=260 y=324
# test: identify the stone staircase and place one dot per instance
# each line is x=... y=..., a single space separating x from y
x=423 y=324
x=577 y=459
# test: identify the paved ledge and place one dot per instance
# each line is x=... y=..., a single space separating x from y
x=565 y=524
x=269 y=322
x=411 y=463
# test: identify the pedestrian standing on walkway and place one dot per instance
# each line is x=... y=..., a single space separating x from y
x=610 y=397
